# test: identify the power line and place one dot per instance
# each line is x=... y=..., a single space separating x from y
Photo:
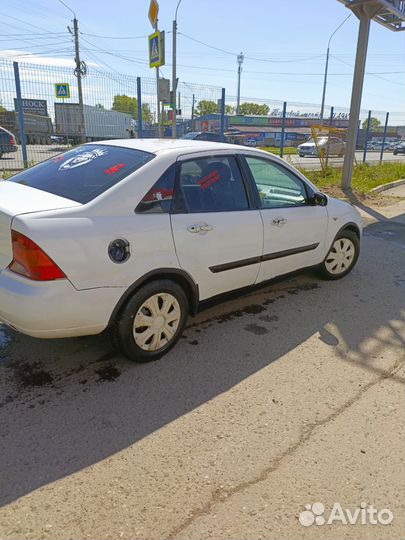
x=368 y=73
x=135 y=61
x=24 y=22
x=272 y=60
x=114 y=37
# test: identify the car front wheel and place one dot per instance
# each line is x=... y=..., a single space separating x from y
x=342 y=255
x=152 y=321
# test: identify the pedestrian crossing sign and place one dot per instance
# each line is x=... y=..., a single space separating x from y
x=62 y=90
x=156 y=49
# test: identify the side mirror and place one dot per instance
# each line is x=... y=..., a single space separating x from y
x=318 y=199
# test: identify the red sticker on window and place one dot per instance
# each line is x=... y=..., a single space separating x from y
x=114 y=168
x=210 y=179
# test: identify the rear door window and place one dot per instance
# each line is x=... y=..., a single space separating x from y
x=85 y=172
x=210 y=184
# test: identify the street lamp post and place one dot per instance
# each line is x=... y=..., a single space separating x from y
x=326 y=66
x=240 y=62
x=174 y=79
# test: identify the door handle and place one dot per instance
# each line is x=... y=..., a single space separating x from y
x=200 y=228
x=279 y=222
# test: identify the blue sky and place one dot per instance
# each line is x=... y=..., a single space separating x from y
x=286 y=42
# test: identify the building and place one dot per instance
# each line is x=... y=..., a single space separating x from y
x=265 y=130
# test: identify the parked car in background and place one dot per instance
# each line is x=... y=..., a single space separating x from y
x=375 y=146
x=202 y=136
x=399 y=149
x=132 y=234
x=251 y=142
x=7 y=142
x=332 y=146
x=57 y=139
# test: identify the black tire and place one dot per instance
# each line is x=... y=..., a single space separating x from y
x=354 y=239
x=395 y=152
x=122 y=331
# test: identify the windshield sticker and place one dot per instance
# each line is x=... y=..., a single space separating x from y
x=82 y=159
x=57 y=159
x=114 y=168
x=209 y=179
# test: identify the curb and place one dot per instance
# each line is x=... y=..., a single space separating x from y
x=390 y=185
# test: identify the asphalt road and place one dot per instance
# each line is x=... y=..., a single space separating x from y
x=289 y=395
x=41 y=152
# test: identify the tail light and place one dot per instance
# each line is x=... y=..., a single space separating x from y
x=31 y=261
x=12 y=141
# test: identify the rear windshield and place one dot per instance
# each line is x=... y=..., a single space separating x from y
x=85 y=172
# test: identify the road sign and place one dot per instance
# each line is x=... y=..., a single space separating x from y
x=156 y=49
x=153 y=12
x=33 y=106
x=164 y=89
x=62 y=90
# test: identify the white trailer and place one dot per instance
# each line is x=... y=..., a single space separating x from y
x=99 y=123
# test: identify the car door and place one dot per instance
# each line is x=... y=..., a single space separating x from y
x=217 y=233
x=294 y=229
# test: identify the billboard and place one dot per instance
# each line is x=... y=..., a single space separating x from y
x=276 y=121
x=33 y=106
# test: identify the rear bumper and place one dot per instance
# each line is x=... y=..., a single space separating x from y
x=8 y=148
x=54 y=309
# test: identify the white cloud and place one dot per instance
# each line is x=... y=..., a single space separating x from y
x=30 y=58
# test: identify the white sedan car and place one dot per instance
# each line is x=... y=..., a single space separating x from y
x=132 y=235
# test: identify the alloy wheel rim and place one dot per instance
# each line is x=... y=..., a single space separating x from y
x=156 y=322
x=340 y=257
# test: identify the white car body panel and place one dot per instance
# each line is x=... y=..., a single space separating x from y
x=16 y=199
x=304 y=227
x=234 y=236
x=76 y=236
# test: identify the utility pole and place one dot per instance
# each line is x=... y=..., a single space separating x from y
x=192 y=113
x=174 y=76
x=240 y=62
x=325 y=77
x=357 y=89
x=80 y=70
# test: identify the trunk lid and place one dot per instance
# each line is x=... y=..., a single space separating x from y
x=16 y=199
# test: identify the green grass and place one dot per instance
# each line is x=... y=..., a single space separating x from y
x=365 y=177
x=288 y=150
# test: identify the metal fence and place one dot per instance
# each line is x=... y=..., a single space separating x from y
x=39 y=105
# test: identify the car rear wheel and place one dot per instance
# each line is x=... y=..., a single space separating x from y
x=342 y=255
x=152 y=321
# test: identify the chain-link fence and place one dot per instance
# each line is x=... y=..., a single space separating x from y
x=116 y=106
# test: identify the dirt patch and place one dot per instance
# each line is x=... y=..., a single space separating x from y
x=256 y=329
x=107 y=373
x=32 y=375
x=377 y=200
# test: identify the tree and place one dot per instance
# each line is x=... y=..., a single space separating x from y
x=254 y=108
x=206 y=106
x=374 y=124
x=99 y=106
x=229 y=109
x=129 y=105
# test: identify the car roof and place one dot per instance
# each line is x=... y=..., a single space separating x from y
x=156 y=146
